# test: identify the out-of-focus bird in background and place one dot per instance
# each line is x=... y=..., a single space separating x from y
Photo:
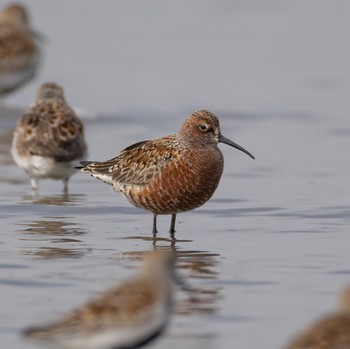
x=19 y=49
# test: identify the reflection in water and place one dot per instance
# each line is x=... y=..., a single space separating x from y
x=198 y=265
x=54 y=200
x=52 y=253
x=54 y=226
x=155 y=239
x=53 y=230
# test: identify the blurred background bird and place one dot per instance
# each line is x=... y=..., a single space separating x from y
x=19 y=49
x=49 y=138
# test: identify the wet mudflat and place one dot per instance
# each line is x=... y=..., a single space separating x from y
x=268 y=253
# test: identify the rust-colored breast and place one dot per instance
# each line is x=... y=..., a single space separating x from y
x=183 y=184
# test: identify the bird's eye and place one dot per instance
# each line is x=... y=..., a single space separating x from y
x=203 y=127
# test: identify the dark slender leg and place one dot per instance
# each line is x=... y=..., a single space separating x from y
x=154 y=230
x=65 y=186
x=172 y=225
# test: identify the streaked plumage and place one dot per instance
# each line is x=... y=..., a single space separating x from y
x=330 y=332
x=126 y=316
x=172 y=174
x=19 y=52
x=49 y=138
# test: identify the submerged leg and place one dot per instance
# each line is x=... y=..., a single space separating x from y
x=172 y=225
x=154 y=230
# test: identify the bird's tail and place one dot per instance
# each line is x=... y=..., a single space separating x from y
x=99 y=170
x=83 y=164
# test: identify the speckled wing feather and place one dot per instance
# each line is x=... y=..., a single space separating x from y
x=61 y=132
x=138 y=163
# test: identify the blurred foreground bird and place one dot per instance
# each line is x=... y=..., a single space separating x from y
x=126 y=316
x=330 y=332
x=172 y=174
x=49 y=138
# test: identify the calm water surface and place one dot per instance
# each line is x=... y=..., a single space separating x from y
x=268 y=253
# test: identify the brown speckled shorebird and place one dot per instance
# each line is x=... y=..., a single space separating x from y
x=125 y=316
x=172 y=174
x=331 y=332
x=19 y=52
x=49 y=138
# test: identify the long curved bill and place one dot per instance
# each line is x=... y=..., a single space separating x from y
x=225 y=140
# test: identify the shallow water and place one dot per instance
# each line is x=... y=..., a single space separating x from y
x=270 y=250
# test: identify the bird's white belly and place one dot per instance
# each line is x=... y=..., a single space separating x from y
x=43 y=167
